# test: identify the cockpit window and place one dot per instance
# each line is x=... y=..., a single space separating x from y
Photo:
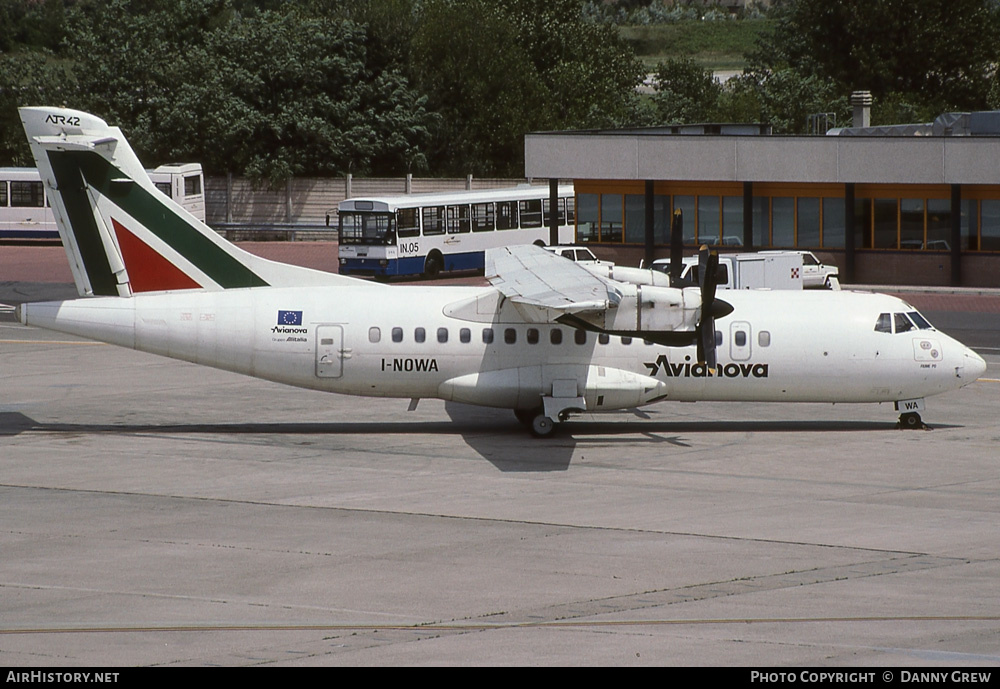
x=919 y=321
x=884 y=323
x=903 y=323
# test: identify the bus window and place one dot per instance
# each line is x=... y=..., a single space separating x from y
x=407 y=222
x=26 y=195
x=546 y=216
x=366 y=228
x=458 y=219
x=483 y=219
x=433 y=220
x=507 y=215
x=570 y=203
x=163 y=188
x=531 y=213
x=192 y=185
x=3 y=193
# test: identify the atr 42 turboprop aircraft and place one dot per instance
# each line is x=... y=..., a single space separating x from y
x=546 y=340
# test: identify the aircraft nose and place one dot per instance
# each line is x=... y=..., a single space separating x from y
x=975 y=365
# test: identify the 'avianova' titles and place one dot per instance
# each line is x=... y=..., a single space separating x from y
x=689 y=370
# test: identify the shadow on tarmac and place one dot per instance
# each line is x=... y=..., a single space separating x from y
x=493 y=434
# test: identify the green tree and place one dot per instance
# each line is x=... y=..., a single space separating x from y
x=685 y=92
x=939 y=54
x=30 y=78
x=268 y=93
x=496 y=69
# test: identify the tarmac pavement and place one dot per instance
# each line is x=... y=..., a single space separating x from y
x=154 y=512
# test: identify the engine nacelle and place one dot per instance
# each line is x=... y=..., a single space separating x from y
x=601 y=387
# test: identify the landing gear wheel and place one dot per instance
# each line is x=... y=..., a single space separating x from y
x=542 y=426
x=910 y=421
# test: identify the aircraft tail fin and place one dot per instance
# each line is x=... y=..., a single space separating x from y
x=121 y=234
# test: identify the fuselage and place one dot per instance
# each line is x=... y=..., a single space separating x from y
x=467 y=344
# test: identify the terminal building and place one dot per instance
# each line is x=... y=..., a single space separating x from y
x=913 y=204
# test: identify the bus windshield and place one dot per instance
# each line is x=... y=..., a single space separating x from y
x=367 y=228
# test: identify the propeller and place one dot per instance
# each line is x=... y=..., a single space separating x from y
x=711 y=308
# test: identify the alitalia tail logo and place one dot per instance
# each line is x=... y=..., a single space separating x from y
x=689 y=370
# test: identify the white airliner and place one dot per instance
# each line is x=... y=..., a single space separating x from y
x=546 y=340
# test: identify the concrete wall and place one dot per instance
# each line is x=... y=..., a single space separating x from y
x=306 y=201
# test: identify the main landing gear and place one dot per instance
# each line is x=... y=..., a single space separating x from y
x=535 y=420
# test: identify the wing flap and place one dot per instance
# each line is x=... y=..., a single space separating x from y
x=543 y=286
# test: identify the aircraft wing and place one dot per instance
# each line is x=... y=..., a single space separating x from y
x=544 y=287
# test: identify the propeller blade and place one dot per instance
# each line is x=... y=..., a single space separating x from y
x=676 y=246
x=708 y=264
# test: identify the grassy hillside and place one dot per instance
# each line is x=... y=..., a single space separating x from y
x=713 y=44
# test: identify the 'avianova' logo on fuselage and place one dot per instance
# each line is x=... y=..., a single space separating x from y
x=689 y=370
x=287 y=318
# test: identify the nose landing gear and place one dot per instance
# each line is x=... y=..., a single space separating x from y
x=910 y=421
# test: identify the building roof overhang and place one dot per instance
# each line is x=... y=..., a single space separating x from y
x=647 y=155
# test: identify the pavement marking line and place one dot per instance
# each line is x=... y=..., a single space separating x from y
x=65 y=342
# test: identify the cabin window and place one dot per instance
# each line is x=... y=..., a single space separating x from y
x=603 y=338
x=442 y=335
x=919 y=321
x=739 y=337
x=902 y=323
x=397 y=334
x=884 y=323
x=555 y=336
x=487 y=335
x=419 y=335
x=580 y=337
x=465 y=336
x=374 y=335
x=532 y=335
x=510 y=336
x=764 y=338
x=626 y=340
x=718 y=339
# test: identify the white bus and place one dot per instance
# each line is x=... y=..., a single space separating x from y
x=25 y=211
x=427 y=233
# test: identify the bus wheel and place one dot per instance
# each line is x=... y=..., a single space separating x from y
x=539 y=242
x=432 y=266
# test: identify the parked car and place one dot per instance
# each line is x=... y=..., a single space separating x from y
x=580 y=254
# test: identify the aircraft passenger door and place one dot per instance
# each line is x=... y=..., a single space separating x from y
x=739 y=341
x=330 y=352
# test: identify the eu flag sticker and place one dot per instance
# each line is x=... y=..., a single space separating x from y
x=289 y=318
